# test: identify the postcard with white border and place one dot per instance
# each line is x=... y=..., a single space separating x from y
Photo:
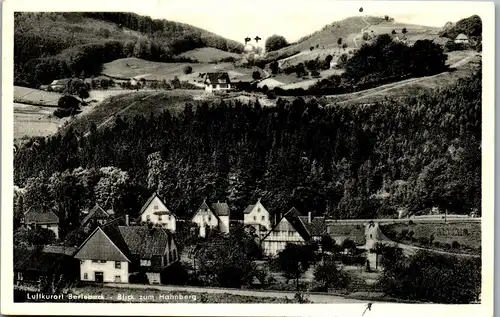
x=317 y=158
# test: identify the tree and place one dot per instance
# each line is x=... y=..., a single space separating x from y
x=339 y=41
x=300 y=70
x=366 y=37
x=311 y=48
x=187 y=69
x=328 y=58
x=83 y=93
x=344 y=46
x=294 y=261
x=256 y=75
x=327 y=273
x=68 y=102
x=404 y=31
x=342 y=61
x=275 y=42
x=274 y=66
x=393 y=31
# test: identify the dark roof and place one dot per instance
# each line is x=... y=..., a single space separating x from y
x=220 y=209
x=248 y=209
x=293 y=218
x=59 y=249
x=222 y=78
x=105 y=243
x=317 y=227
x=40 y=216
x=97 y=212
x=146 y=242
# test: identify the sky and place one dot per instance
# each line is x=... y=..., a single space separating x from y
x=237 y=19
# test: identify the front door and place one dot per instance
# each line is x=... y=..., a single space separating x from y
x=99 y=277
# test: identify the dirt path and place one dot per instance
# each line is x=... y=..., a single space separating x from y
x=377 y=90
x=362 y=31
x=315 y=298
x=374 y=235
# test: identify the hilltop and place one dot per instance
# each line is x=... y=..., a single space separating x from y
x=56 y=45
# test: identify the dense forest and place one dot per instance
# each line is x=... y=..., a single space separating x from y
x=54 y=45
x=471 y=26
x=347 y=162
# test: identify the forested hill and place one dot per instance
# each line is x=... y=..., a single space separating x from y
x=50 y=45
x=348 y=162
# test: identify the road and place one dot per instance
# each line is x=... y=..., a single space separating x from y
x=362 y=31
x=374 y=235
x=377 y=90
x=315 y=298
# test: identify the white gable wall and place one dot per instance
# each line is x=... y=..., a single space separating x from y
x=205 y=218
x=110 y=272
x=258 y=215
x=276 y=241
x=167 y=221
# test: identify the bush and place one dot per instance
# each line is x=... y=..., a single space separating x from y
x=68 y=102
x=423 y=240
x=437 y=244
x=256 y=75
x=187 y=70
x=447 y=246
x=455 y=245
x=410 y=223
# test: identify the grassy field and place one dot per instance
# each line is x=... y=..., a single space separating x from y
x=135 y=67
x=468 y=235
x=209 y=54
x=340 y=232
x=36 y=97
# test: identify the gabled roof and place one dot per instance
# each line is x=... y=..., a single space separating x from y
x=220 y=209
x=294 y=222
x=41 y=216
x=461 y=36
x=97 y=212
x=317 y=226
x=148 y=202
x=105 y=243
x=221 y=78
x=63 y=81
x=145 y=242
x=248 y=209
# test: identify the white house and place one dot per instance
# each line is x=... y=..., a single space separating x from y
x=46 y=219
x=95 y=217
x=289 y=229
x=113 y=252
x=214 y=216
x=462 y=39
x=257 y=215
x=155 y=211
x=217 y=82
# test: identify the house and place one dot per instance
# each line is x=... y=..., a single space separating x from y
x=112 y=253
x=257 y=216
x=217 y=82
x=214 y=216
x=462 y=39
x=155 y=211
x=46 y=219
x=316 y=226
x=59 y=85
x=289 y=229
x=50 y=263
x=95 y=217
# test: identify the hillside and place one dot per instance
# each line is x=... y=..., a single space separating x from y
x=55 y=45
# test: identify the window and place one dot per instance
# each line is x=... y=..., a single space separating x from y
x=258 y=209
x=223 y=85
x=290 y=233
x=118 y=265
x=155 y=207
x=95 y=261
x=263 y=218
x=82 y=261
x=255 y=218
x=214 y=86
x=118 y=278
x=85 y=276
x=148 y=218
x=159 y=218
x=145 y=262
x=209 y=218
x=169 y=217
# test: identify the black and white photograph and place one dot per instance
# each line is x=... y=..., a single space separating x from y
x=303 y=152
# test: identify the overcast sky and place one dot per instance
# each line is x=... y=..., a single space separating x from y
x=236 y=19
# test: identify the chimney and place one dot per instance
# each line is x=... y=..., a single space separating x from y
x=309 y=217
x=126 y=220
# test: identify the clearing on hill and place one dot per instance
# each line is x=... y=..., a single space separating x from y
x=209 y=54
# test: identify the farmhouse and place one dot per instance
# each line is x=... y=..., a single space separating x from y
x=257 y=216
x=155 y=211
x=217 y=82
x=289 y=229
x=215 y=216
x=112 y=253
x=46 y=219
x=316 y=226
x=462 y=39
x=95 y=217
x=59 y=85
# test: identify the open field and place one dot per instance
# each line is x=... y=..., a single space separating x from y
x=468 y=235
x=135 y=67
x=209 y=54
x=36 y=97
